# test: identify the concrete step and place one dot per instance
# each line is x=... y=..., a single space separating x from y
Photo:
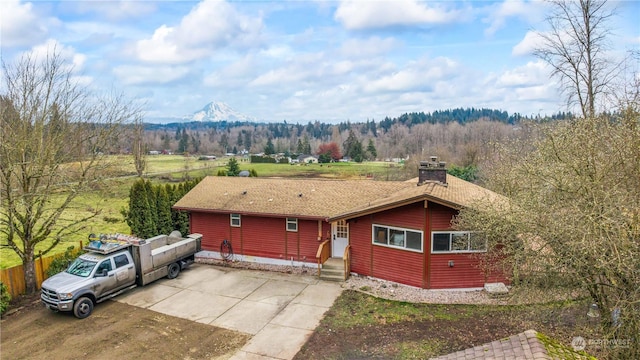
x=337 y=272
x=332 y=270
x=336 y=278
x=333 y=263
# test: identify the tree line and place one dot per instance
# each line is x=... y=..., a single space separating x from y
x=150 y=213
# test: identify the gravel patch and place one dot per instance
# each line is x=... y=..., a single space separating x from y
x=400 y=292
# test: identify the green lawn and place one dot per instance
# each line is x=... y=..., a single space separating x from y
x=114 y=196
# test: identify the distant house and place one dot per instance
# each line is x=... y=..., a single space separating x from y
x=398 y=231
x=307 y=159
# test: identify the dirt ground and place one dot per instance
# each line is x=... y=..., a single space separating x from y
x=113 y=331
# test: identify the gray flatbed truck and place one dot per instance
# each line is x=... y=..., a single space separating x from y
x=114 y=264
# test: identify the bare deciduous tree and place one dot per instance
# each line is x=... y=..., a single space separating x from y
x=575 y=48
x=54 y=135
x=138 y=148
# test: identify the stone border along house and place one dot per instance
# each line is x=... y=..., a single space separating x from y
x=397 y=231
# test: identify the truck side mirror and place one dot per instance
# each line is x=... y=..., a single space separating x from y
x=102 y=273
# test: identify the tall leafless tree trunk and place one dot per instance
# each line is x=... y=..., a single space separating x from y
x=138 y=148
x=54 y=135
x=575 y=48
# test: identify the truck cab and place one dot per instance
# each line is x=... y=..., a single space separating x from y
x=93 y=277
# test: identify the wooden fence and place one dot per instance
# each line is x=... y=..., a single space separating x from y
x=13 y=277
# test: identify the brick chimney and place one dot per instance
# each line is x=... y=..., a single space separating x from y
x=432 y=171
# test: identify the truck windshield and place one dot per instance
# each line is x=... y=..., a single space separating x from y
x=81 y=267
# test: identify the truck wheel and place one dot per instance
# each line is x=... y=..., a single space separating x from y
x=174 y=270
x=83 y=307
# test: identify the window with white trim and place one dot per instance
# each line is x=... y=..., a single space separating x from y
x=235 y=220
x=457 y=241
x=396 y=237
x=292 y=224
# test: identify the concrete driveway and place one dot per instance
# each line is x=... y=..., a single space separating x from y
x=279 y=310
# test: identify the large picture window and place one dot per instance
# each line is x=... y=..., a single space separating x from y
x=235 y=220
x=457 y=241
x=397 y=237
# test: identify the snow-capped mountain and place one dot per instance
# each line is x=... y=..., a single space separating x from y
x=219 y=111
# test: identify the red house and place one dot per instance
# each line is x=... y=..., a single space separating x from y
x=398 y=231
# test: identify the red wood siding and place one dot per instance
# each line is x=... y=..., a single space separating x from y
x=306 y=241
x=464 y=273
x=441 y=216
x=397 y=265
x=260 y=236
x=213 y=227
x=383 y=262
x=263 y=236
x=409 y=216
x=361 y=248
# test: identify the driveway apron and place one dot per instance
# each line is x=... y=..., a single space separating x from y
x=280 y=311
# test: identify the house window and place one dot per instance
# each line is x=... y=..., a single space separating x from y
x=235 y=220
x=292 y=224
x=457 y=241
x=397 y=237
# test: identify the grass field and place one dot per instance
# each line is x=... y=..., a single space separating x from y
x=114 y=196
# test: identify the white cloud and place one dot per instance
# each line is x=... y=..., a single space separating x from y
x=209 y=26
x=420 y=75
x=532 y=40
x=531 y=74
x=360 y=15
x=73 y=61
x=528 y=11
x=150 y=75
x=20 y=25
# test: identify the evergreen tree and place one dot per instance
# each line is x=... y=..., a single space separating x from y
x=371 y=149
x=300 y=147
x=183 y=144
x=180 y=218
x=152 y=217
x=269 y=149
x=247 y=140
x=139 y=211
x=165 y=222
x=306 y=146
x=239 y=141
x=233 y=169
x=353 y=147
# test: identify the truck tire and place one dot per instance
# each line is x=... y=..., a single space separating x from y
x=83 y=307
x=174 y=270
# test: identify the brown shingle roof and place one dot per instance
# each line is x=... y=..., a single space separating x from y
x=333 y=199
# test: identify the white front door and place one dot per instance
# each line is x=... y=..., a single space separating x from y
x=339 y=238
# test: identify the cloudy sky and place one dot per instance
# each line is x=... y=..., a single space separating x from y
x=304 y=60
